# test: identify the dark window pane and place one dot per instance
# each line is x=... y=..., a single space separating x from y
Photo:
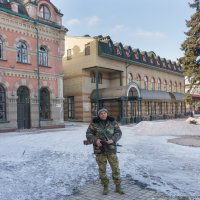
x=70 y=102
x=22 y=54
x=44 y=103
x=87 y=49
x=2 y=104
x=43 y=56
x=23 y=95
x=1 y=49
x=44 y=12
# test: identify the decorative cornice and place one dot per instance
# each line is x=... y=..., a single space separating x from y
x=28 y=74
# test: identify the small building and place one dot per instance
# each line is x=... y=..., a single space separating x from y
x=31 y=73
x=132 y=84
x=194 y=105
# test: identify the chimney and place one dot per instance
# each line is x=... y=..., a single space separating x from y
x=14 y=6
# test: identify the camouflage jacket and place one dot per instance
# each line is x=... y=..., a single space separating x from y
x=104 y=130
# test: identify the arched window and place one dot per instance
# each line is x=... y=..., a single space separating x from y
x=1 y=48
x=139 y=80
x=43 y=56
x=175 y=87
x=23 y=95
x=130 y=78
x=165 y=85
x=170 y=86
x=152 y=83
x=22 y=53
x=159 y=84
x=146 y=83
x=44 y=103
x=45 y=12
x=2 y=104
x=87 y=49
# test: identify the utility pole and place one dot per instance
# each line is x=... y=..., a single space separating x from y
x=126 y=104
x=97 y=89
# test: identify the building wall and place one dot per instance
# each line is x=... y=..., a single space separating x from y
x=74 y=79
x=13 y=74
x=153 y=73
x=143 y=71
x=79 y=67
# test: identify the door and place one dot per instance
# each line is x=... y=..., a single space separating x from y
x=134 y=106
x=23 y=108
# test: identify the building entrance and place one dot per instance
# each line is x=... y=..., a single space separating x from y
x=23 y=108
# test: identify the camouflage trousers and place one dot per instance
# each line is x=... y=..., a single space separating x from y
x=102 y=160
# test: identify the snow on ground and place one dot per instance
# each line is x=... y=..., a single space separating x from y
x=52 y=164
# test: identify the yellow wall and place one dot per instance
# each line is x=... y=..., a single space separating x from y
x=78 y=69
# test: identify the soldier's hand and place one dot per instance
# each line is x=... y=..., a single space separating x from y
x=98 y=143
x=110 y=141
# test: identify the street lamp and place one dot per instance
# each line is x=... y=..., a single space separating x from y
x=38 y=73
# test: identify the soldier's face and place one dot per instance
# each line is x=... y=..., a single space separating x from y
x=103 y=115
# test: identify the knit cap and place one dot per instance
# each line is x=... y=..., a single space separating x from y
x=102 y=110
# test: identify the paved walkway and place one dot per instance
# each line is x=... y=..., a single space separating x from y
x=133 y=191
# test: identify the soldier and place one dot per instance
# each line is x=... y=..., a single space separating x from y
x=104 y=132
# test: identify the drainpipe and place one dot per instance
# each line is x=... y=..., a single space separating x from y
x=38 y=74
x=140 y=109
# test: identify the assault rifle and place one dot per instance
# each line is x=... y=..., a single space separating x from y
x=105 y=146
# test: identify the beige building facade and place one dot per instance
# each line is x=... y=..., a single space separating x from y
x=133 y=85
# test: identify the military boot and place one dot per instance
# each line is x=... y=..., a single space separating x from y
x=119 y=189
x=105 y=190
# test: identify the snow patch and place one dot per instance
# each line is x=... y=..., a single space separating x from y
x=52 y=165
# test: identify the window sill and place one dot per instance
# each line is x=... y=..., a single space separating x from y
x=1 y=59
x=46 y=120
x=24 y=63
x=4 y=122
x=95 y=83
x=45 y=66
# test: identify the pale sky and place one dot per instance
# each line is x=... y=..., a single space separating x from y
x=150 y=25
